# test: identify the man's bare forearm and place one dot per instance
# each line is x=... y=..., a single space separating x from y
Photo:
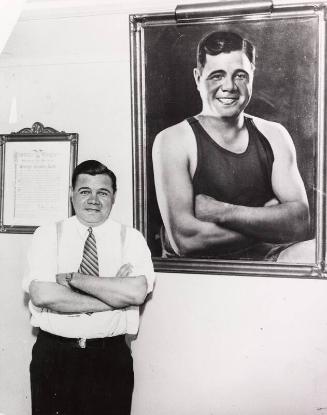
x=117 y=292
x=62 y=299
x=284 y=222
x=195 y=236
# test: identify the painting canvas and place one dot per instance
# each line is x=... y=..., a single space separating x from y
x=288 y=88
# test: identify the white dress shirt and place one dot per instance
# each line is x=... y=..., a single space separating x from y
x=50 y=255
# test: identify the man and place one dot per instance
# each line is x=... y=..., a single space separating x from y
x=228 y=184
x=87 y=276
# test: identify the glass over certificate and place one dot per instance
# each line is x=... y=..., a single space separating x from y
x=35 y=182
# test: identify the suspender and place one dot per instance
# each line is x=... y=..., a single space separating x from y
x=59 y=226
x=123 y=230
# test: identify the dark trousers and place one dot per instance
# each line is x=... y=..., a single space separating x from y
x=69 y=380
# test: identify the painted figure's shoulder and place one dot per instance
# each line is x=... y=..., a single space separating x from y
x=277 y=136
x=263 y=123
x=176 y=137
x=175 y=132
x=272 y=130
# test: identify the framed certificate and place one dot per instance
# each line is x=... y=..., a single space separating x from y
x=36 y=168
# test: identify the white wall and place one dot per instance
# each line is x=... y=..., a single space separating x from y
x=233 y=346
x=207 y=345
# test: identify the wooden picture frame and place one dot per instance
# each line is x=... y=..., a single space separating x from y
x=36 y=168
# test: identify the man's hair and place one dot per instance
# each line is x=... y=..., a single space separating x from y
x=218 y=42
x=93 y=167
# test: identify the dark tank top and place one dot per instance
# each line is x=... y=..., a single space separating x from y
x=236 y=178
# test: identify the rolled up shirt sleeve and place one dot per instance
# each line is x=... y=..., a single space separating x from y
x=138 y=254
x=41 y=257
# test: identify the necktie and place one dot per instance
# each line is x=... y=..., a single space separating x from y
x=89 y=264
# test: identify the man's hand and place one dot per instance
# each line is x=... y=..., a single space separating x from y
x=118 y=291
x=125 y=270
x=272 y=202
x=209 y=209
x=64 y=278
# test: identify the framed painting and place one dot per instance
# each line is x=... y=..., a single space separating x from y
x=182 y=200
x=36 y=168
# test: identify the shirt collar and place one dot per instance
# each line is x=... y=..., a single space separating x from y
x=97 y=230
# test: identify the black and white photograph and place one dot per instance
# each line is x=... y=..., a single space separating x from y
x=163 y=210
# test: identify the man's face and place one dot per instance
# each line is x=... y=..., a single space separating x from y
x=225 y=84
x=93 y=198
